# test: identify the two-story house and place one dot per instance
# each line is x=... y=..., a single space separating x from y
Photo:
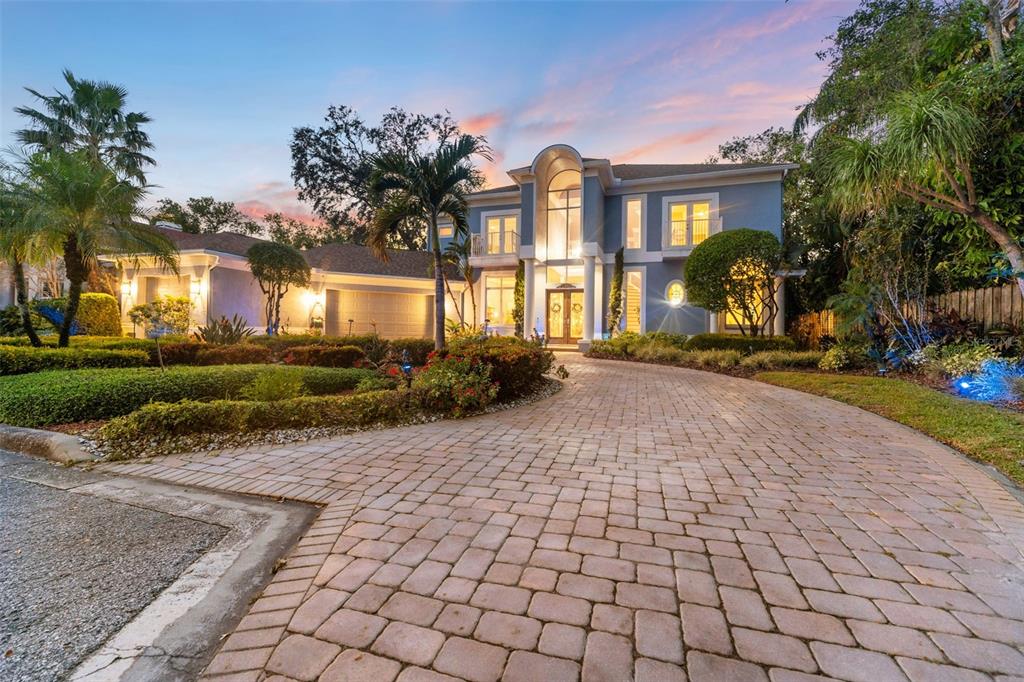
x=566 y=215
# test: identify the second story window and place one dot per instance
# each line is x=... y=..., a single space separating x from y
x=564 y=237
x=634 y=223
x=689 y=222
x=502 y=234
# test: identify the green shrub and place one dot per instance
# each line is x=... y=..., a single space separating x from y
x=455 y=385
x=845 y=355
x=1017 y=387
x=175 y=353
x=238 y=354
x=743 y=344
x=376 y=383
x=956 y=359
x=98 y=314
x=167 y=315
x=324 y=355
x=517 y=366
x=25 y=359
x=277 y=384
x=160 y=422
x=659 y=351
x=418 y=349
x=722 y=359
x=61 y=397
x=776 y=359
x=224 y=332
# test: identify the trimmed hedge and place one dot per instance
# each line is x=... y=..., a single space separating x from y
x=324 y=356
x=62 y=397
x=517 y=366
x=418 y=349
x=743 y=344
x=237 y=354
x=25 y=359
x=161 y=422
x=98 y=314
x=775 y=359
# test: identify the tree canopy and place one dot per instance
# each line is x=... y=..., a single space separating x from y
x=276 y=267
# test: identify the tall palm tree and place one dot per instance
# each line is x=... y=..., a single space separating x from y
x=923 y=152
x=83 y=210
x=427 y=187
x=16 y=244
x=89 y=117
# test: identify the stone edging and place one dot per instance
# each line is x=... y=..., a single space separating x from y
x=60 y=447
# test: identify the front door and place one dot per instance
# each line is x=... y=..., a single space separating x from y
x=565 y=315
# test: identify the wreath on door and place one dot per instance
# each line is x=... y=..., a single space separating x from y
x=556 y=308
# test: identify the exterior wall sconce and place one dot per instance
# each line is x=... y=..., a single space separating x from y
x=195 y=288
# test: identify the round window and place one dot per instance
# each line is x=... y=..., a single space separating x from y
x=675 y=293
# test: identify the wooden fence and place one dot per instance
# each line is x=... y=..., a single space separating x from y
x=994 y=307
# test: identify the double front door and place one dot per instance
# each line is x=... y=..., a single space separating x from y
x=565 y=315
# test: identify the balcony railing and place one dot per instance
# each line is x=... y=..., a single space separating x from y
x=495 y=244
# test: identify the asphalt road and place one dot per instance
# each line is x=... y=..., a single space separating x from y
x=75 y=568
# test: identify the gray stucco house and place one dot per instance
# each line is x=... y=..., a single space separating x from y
x=566 y=215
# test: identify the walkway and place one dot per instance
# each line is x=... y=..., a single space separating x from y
x=645 y=523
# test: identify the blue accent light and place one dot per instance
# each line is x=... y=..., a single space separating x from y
x=993 y=382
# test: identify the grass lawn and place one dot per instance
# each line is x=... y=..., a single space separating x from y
x=980 y=431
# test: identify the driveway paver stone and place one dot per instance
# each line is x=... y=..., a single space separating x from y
x=646 y=522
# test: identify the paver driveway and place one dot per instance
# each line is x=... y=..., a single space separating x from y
x=646 y=522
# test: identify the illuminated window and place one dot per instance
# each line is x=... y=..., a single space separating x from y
x=634 y=223
x=689 y=222
x=675 y=294
x=501 y=234
x=499 y=299
x=445 y=231
x=632 y=300
x=564 y=236
x=565 y=274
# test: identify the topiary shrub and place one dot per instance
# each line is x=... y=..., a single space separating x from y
x=742 y=344
x=62 y=397
x=98 y=314
x=324 y=356
x=517 y=366
x=238 y=354
x=26 y=359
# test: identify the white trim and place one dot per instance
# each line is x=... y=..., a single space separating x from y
x=494 y=198
x=685 y=300
x=485 y=236
x=626 y=198
x=714 y=227
x=692 y=181
x=643 y=295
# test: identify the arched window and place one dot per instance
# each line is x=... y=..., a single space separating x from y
x=675 y=293
x=564 y=200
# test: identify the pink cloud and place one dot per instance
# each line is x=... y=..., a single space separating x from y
x=656 y=150
x=482 y=123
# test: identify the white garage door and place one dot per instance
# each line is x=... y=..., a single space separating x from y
x=395 y=315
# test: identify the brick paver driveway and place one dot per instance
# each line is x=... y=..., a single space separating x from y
x=647 y=522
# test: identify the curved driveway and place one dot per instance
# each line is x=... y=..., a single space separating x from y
x=646 y=522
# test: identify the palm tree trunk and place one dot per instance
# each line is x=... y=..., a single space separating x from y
x=21 y=295
x=472 y=300
x=76 y=272
x=438 y=286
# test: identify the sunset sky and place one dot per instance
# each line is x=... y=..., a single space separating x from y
x=226 y=82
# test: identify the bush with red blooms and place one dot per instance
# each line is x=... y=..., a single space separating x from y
x=517 y=366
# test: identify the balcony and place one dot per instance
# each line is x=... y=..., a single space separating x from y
x=680 y=238
x=496 y=248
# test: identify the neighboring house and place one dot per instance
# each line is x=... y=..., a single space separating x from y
x=566 y=216
x=351 y=290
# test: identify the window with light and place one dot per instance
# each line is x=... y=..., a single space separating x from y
x=632 y=300
x=502 y=235
x=689 y=222
x=499 y=299
x=634 y=223
x=564 y=235
x=676 y=294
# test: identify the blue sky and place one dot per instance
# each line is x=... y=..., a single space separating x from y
x=226 y=82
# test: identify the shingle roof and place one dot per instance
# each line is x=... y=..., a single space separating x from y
x=642 y=171
x=342 y=258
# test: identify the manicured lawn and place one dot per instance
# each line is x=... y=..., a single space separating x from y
x=980 y=431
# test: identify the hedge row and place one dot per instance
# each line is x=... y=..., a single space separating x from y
x=737 y=342
x=24 y=360
x=62 y=397
x=161 y=422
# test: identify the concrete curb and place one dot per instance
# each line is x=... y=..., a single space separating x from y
x=59 y=447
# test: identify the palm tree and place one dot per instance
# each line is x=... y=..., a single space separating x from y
x=424 y=187
x=16 y=244
x=457 y=255
x=82 y=210
x=922 y=152
x=89 y=117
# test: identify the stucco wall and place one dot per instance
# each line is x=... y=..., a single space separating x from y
x=235 y=292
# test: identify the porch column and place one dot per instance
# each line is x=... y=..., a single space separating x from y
x=713 y=323
x=528 y=287
x=588 y=297
x=780 y=303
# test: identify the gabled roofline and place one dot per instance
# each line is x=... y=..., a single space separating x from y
x=729 y=172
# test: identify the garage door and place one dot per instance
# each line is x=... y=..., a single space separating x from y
x=396 y=315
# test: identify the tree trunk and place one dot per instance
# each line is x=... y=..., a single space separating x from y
x=1006 y=243
x=76 y=271
x=472 y=300
x=994 y=29
x=21 y=295
x=438 y=287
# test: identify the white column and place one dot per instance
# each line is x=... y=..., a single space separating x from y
x=528 y=286
x=780 y=304
x=713 y=323
x=588 y=297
